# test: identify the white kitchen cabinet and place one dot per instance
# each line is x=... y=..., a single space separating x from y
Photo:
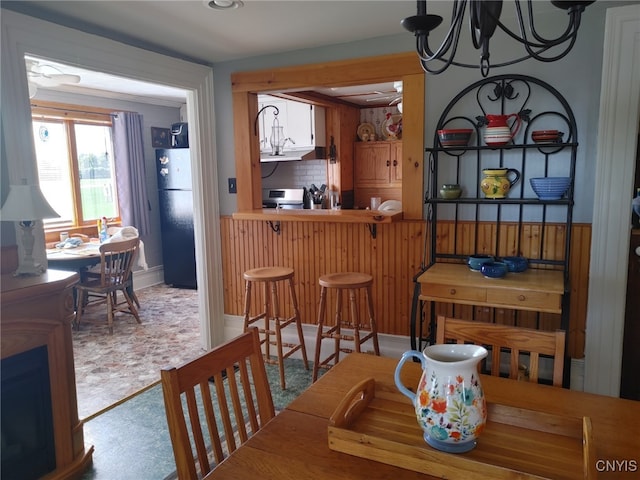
x=302 y=123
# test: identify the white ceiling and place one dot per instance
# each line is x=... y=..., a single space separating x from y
x=189 y=29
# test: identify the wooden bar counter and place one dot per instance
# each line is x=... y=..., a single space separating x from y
x=321 y=215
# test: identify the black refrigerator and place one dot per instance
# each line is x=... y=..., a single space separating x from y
x=176 y=217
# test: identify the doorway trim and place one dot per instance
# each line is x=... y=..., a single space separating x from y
x=22 y=34
x=617 y=138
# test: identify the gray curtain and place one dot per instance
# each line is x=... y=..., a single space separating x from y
x=131 y=171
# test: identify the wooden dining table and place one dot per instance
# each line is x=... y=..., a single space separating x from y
x=294 y=445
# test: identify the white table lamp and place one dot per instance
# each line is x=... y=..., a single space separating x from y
x=26 y=204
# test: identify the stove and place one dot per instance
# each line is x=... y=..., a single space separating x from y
x=286 y=198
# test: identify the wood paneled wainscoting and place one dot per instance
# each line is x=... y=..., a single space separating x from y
x=393 y=258
x=315 y=248
x=534 y=242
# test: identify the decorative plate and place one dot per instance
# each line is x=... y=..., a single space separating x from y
x=365 y=129
x=392 y=127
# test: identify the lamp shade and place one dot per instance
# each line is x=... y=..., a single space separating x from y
x=26 y=203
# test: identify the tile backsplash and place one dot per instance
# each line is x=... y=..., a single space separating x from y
x=296 y=174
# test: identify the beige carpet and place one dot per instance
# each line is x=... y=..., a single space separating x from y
x=110 y=368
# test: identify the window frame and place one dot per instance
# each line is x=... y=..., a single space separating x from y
x=70 y=115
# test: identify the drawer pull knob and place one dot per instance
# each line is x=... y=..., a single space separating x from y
x=452 y=291
x=522 y=298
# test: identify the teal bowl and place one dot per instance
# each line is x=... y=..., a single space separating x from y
x=475 y=261
x=516 y=264
x=494 y=269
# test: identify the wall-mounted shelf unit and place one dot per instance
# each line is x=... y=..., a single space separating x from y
x=519 y=224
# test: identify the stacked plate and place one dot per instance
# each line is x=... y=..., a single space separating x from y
x=546 y=136
x=550 y=188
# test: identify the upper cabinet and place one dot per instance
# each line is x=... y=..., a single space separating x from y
x=303 y=124
x=377 y=171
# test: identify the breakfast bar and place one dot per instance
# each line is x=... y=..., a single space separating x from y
x=321 y=215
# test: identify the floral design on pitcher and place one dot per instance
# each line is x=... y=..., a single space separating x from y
x=452 y=412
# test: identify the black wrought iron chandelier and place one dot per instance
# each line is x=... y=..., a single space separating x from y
x=484 y=18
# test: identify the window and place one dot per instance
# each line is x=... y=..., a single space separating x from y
x=74 y=152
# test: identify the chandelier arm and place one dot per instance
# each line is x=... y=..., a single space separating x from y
x=452 y=36
x=570 y=31
x=560 y=55
x=424 y=61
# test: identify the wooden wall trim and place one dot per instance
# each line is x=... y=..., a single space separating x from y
x=358 y=71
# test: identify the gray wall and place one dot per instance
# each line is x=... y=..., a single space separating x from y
x=153 y=116
x=577 y=77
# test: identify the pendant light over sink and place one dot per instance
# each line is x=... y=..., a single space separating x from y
x=484 y=18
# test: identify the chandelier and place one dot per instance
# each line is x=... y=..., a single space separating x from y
x=484 y=18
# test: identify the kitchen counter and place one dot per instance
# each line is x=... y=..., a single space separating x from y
x=335 y=216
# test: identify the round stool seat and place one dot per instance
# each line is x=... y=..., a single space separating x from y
x=346 y=280
x=272 y=274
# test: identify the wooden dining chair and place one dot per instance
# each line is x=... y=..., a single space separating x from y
x=226 y=393
x=103 y=285
x=515 y=340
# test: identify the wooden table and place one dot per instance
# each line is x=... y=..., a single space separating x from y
x=74 y=259
x=294 y=444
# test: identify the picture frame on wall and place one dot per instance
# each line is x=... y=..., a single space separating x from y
x=160 y=137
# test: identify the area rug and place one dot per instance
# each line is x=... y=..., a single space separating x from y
x=132 y=441
x=110 y=368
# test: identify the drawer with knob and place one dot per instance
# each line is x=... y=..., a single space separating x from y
x=525 y=299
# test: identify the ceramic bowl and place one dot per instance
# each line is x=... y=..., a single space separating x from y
x=450 y=190
x=546 y=136
x=494 y=269
x=475 y=261
x=455 y=137
x=550 y=188
x=516 y=264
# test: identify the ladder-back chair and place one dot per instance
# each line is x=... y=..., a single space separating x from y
x=228 y=399
x=516 y=340
x=116 y=262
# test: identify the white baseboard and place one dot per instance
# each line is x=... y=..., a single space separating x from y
x=148 y=278
x=390 y=345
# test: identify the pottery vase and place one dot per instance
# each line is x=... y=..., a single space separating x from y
x=449 y=402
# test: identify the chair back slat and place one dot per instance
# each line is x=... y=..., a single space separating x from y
x=116 y=261
x=236 y=405
x=516 y=340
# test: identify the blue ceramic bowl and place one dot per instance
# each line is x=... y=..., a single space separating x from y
x=494 y=269
x=550 y=188
x=475 y=261
x=516 y=264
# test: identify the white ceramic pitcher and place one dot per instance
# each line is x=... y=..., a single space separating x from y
x=449 y=402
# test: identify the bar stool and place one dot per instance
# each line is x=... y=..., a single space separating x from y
x=351 y=282
x=273 y=322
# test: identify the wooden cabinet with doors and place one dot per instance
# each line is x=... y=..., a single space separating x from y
x=377 y=171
